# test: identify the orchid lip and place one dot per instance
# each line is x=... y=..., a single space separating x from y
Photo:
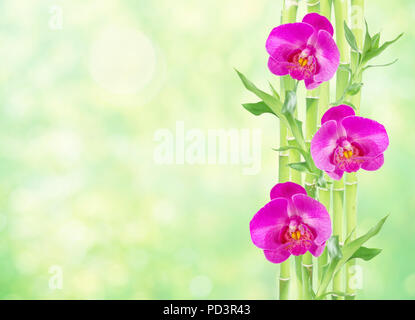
x=297 y=236
x=348 y=156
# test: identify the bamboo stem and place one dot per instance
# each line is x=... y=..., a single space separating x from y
x=357 y=26
x=299 y=273
x=312 y=101
x=341 y=14
x=288 y=14
x=310 y=181
x=324 y=194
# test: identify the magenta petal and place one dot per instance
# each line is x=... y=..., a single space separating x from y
x=352 y=166
x=316 y=250
x=277 y=256
x=319 y=22
x=327 y=55
x=297 y=73
x=286 y=190
x=374 y=163
x=337 y=113
x=369 y=134
x=315 y=215
x=267 y=223
x=279 y=68
x=299 y=249
x=323 y=144
x=291 y=35
x=337 y=174
x=310 y=84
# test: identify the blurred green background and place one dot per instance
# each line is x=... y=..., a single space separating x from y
x=81 y=100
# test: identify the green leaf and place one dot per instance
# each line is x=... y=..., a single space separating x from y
x=368 y=40
x=290 y=102
x=365 y=253
x=354 y=88
x=374 y=52
x=286 y=148
x=275 y=93
x=375 y=41
x=347 y=252
x=257 y=108
x=353 y=246
x=333 y=248
x=295 y=125
x=272 y=102
x=349 y=237
x=299 y=166
x=351 y=39
x=379 y=65
x=299 y=125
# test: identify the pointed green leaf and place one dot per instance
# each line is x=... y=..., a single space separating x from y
x=374 y=52
x=299 y=166
x=272 y=102
x=347 y=252
x=365 y=253
x=274 y=91
x=354 y=245
x=349 y=249
x=257 y=108
x=349 y=237
x=379 y=65
x=375 y=41
x=333 y=248
x=368 y=40
x=290 y=102
x=285 y=148
x=351 y=39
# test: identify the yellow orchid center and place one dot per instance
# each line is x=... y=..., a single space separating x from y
x=302 y=61
x=348 y=154
x=296 y=235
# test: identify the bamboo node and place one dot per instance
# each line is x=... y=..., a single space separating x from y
x=284 y=279
x=311 y=4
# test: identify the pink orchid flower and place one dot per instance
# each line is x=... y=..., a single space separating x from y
x=291 y=223
x=306 y=50
x=346 y=142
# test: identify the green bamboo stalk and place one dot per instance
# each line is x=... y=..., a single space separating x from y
x=338 y=201
x=341 y=14
x=324 y=194
x=313 y=6
x=299 y=273
x=288 y=14
x=284 y=176
x=311 y=128
x=312 y=100
x=310 y=181
x=357 y=26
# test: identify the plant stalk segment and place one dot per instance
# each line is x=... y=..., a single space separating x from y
x=341 y=15
x=289 y=14
x=357 y=27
